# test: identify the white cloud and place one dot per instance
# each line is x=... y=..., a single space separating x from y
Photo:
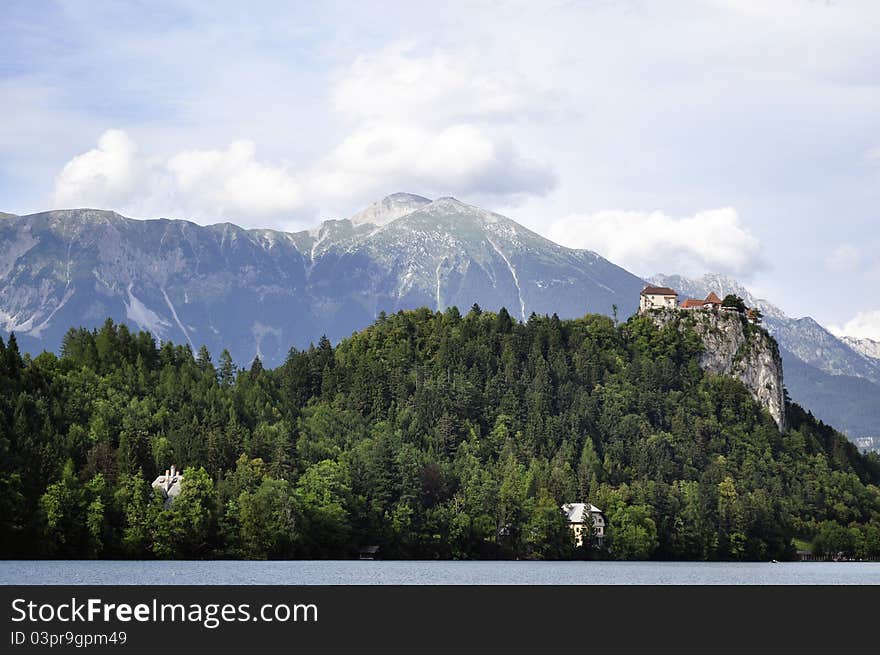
x=101 y=177
x=431 y=124
x=864 y=325
x=652 y=242
x=439 y=88
x=233 y=182
x=207 y=185
x=458 y=159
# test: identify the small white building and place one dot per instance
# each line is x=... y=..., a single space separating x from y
x=578 y=514
x=169 y=485
x=657 y=298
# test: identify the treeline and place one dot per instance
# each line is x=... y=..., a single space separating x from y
x=429 y=434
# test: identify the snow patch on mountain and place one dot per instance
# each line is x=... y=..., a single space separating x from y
x=144 y=317
x=174 y=315
x=260 y=330
x=10 y=322
x=522 y=303
x=438 y=301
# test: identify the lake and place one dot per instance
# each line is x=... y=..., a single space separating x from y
x=436 y=573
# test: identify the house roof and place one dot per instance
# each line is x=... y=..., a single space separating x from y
x=575 y=511
x=658 y=291
x=713 y=298
x=690 y=302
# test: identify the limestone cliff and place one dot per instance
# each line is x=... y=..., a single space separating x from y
x=735 y=348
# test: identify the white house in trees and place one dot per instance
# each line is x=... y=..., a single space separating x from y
x=578 y=514
x=657 y=298
x=169 y=485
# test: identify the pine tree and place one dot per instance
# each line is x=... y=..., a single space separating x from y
x=227 y=369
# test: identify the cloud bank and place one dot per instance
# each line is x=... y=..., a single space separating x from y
x=433 y=123
x=202 y=184
x=652 y=242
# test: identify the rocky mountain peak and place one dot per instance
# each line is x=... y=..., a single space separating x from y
x=449 y=213
x=390 y=208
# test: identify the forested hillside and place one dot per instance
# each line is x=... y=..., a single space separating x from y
x=429 y=434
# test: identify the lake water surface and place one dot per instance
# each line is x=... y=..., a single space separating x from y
x=434 y=572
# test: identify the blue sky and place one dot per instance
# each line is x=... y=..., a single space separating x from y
x=736 y=136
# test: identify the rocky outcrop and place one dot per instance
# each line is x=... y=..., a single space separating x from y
x=735 y=348
x=803 y=337
x=834 y=377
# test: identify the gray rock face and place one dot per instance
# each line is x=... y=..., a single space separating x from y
x=736 y=349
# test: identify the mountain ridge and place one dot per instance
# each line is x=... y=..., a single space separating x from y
x=259 y=291
x=867 y=347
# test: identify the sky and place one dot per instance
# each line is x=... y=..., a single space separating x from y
x=731 y=136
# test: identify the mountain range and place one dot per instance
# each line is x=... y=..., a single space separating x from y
x=258 y=292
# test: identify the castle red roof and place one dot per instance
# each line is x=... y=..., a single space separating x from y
x=713 y=298
x=658 y=291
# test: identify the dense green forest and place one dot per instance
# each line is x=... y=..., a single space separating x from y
x=430 y=434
